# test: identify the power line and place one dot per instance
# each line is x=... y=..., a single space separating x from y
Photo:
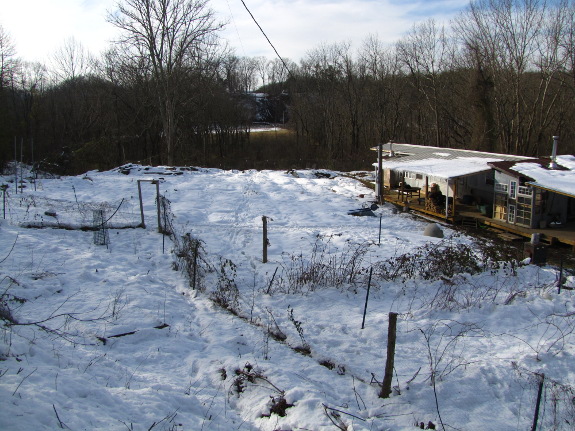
x=236 y=27
x=267 y=38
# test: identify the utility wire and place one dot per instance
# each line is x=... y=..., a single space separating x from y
x=267 y=38
x=236 y=27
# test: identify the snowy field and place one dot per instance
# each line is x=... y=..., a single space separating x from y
x=113 y=336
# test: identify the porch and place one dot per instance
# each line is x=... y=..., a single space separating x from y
x=415 y=200
x=458 y=213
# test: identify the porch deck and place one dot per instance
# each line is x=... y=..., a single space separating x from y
x=465 y=213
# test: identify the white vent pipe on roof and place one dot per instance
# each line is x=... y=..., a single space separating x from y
x=553 y=164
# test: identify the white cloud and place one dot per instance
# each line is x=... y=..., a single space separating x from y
x=40 y=27
x=295 y=27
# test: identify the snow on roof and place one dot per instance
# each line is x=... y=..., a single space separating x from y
x=557 y=180
x=567 y=161
x=410 y=151
x=442 y=168
x=441 y=162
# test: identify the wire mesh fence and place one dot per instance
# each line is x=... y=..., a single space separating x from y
x=38 y=212
x=101 y=236
x=549 y=404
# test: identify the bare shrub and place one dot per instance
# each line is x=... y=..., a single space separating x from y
x=446 y=350
x=278 y=406
x=227 y=293
x=255 y=376
x=273 y=328
x=304 y=348
x=445 y=259
x=5 y=312
x=463 y=291
x=323 y=267
x=8 y=301
x=191 y=258
x=445 y=344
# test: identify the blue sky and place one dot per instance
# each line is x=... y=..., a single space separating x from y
x=40 y=27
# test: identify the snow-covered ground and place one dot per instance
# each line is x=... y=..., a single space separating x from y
x=112 y=336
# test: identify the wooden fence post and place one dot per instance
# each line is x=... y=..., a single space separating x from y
x=387 y=378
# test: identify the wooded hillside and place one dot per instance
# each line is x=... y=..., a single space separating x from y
x=500 y=78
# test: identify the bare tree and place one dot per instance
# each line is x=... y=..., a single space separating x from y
x=427 y=54
x=384 y=96
x=276 y=71
x=247 y=71
x=7 y=58
x=72 y=60
x=503 y=38
x=319 y=107
x=172 y=38
x=567 y=41
x=30 y=82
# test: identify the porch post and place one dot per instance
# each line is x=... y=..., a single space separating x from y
x=379 y=173
x=454 y=195
x=447 y=200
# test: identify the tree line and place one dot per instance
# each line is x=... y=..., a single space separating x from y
x=500 y=78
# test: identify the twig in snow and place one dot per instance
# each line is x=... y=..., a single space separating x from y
x=341 y=411
x=62 y=424
x=414 y=376
x=22 y=381
x=10 y=252
x=334 y=419
x=357 y=395
x=170 y=418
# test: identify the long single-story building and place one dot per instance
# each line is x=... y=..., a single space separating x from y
x=521 y=193
x=436 y=172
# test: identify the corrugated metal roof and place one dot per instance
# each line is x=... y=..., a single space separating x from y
x=440 y=162
x=422 y=152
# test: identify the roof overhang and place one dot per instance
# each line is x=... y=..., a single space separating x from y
x=550 y=189
x=447 y=169
x=560 y=180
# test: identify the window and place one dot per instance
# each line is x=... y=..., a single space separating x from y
x=524 y=200
x=524 y=210
x=524 y=215
x=513 y=190
x=525 y=191
x=511 y=216
x=500 y=207
x=501 y=188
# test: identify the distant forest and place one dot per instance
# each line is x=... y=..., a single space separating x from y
x=499 y=78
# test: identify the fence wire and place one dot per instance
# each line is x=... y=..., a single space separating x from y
x=557 y=405
x=37 y=212
x=191 y=257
